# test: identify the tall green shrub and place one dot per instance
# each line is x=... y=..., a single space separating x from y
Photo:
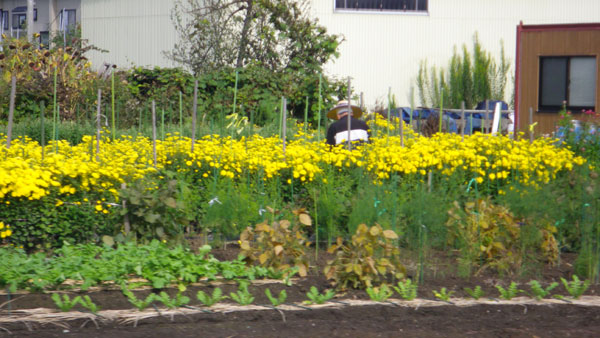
x=471 y=77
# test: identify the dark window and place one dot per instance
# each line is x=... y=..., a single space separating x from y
x=382 y=5
x=67 y=19
x=570 y=79
x=19 y=20
x=44 y=39
x=4 y=19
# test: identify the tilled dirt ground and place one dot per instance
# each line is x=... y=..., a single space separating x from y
x=492 y=319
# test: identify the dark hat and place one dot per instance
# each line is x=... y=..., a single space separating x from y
x=342 y=107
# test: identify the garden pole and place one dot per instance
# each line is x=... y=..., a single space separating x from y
x=57 y=119
x=280 y=122
x=306 y=117
x=319 y=117
x=462 y=120
x=441 y=111
x=485 y=117
x=401 y=130
x=154 y=132
x=180 y=114
x=98 y=111
x=389 y=117
x=11 y=109
x=194 y=113
x=43 y=138
x=112 y=85
x=471 y=124
x=530 y=125
x=162 y=127
x=140 y=121
x=348 y=141
x=284 y=123
x=235 y=90
x=54 y=103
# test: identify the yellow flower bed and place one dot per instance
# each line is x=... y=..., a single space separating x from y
x=71 y=169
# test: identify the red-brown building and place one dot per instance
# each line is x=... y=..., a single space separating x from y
x=555 y=64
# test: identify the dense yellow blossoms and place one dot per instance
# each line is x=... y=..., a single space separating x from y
x=67 y=169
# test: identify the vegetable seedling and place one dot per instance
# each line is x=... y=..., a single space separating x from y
x=318 y=298
x=407 y=289
x=210 y=300
x=276 y=301
x=575 y=287
x=510 y=292
x=380 y=294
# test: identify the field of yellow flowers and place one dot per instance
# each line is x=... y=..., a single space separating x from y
x=91 y=174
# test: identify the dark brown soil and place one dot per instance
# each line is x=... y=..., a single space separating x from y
x=368 y=321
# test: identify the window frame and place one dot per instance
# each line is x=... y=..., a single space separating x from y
x=557 y=108
x=16 y=24
x=6 y=14
x=68 y=10
x=383 y=11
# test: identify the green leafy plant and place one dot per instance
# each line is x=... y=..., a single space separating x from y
x=278 y=245
x=242 y=296
x=575 y=287
x=370 y=257
x=210 y=300
x=276 y=301
x=510 y=292
x=172 y=303
x=65 y=303
x=443 y=294
x=380 y=294
x=475 y=293
x=407 y=289
x=318 y=298
x=87 y=303
x=154 y=210
x=539 y=291
x=140 y=304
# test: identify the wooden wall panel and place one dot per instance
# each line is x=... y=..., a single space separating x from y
x=536 y=44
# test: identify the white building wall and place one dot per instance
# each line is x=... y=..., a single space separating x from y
x=134 y=32
x=381 y=50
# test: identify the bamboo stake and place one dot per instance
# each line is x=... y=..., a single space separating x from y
x=319 y=116
x=154 y=132
x=235 y=90
x=441 y=111
x=180 y=115
x=162 y=127
x=194 y=113
x=348 y=141
x=530 y=125
x=54 y=105
x=462 y=120
x=306 y=116
x=485 y=117
x=11 y=109
x=389 y=117
x=43 y=138
x=112 y=75
x=98 y=111
x=284 y=122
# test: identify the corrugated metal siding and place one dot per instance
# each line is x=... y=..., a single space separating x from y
x=384 y=50
x=380 y=50
x=135 y=32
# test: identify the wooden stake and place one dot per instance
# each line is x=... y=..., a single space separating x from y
x=154 y=132
x=194 y=113
x=349 y=142
x=11 y=109
x=98 y=111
